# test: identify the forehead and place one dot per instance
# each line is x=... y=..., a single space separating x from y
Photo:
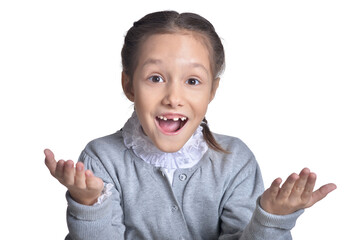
x=185 y=46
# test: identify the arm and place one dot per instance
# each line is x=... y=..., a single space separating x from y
x=85 y=220
x=276 y=211
x=242 y=216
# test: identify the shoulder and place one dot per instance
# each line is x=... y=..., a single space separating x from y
x=106 y=156
x=112 y=144
x=239 y=158
x=234 y=145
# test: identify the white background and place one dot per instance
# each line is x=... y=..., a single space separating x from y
x=291 y=91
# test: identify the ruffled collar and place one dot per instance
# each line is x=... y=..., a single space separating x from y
x=143 y=147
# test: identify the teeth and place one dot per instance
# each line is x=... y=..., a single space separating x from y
x=174 y=119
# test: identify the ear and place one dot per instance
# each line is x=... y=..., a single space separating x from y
x=127 y=87
x=215 y=85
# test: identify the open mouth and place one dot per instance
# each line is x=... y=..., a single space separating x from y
x=171 y=125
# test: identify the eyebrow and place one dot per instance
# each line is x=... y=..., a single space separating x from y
x=151 y=61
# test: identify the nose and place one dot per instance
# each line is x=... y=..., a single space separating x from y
x=173 y=96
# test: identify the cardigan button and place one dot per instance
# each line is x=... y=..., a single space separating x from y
x=174 y=208
x=182 y=177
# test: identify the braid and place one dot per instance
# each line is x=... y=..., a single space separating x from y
x=210 y=140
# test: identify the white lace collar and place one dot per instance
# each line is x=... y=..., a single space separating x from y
x=143 y=147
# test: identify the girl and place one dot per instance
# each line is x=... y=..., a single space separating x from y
x=164 y=175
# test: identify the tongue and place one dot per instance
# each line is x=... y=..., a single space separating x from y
x=169 y=125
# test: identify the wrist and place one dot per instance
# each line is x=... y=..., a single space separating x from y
x=88 y=201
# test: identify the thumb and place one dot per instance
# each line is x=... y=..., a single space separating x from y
x=93 y=182
x=50 y=161
x=321 y=193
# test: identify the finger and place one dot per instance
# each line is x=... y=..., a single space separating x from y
x=300 y=184
x=59 y=170
x=287 y=187
x=80 y=176
x=69 y=173
x=50 y=161
x=92 y=182
x=310 y=185
x=275 y=187
x=321 y=193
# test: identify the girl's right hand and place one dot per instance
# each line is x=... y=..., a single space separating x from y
x=83 y=186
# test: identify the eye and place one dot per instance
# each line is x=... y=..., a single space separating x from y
x=193 y=81
x=156 y=79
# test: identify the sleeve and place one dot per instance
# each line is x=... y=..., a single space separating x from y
x=242 y=216
x=100 y=221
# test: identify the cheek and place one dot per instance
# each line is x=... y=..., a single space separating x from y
x=200 y=103
x=140 y=99
x=145 y=101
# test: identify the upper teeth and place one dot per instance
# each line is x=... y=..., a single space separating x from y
x=174 y=119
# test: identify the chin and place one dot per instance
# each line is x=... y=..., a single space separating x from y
x=169 y=148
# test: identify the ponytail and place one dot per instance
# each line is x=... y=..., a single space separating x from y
x=210 y=140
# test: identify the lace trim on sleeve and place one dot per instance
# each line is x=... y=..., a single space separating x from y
x=106 y=193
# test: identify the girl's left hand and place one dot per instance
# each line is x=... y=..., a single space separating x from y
x=295 y=194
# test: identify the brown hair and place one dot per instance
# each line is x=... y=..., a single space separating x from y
x=171 y=22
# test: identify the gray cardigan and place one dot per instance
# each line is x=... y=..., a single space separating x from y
x=215 y=199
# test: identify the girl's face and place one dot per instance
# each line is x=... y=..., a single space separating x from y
x=172 y=87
